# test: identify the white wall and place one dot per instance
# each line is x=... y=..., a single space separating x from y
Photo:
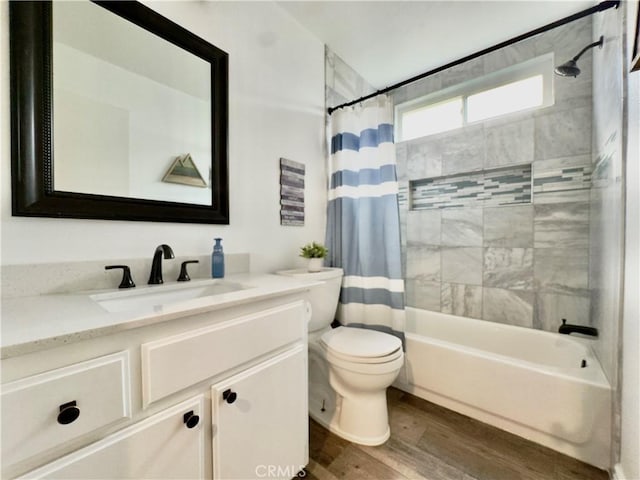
x=629 y=466
x=276 y=110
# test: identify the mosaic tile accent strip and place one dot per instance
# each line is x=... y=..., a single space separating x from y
x=291 y=193
x=403 y=196
x=562 y=179
x=503 y=186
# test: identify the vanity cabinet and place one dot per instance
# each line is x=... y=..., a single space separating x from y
x=167 y=445
x=217 y=395
x=262 y=407
x=173 y=363
x=42 y=411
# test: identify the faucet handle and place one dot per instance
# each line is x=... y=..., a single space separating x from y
x=127 y=281
x=184 y=275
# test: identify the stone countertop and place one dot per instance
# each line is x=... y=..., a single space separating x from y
x=45 y=321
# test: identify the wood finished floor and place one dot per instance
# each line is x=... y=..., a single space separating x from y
x=431 y=442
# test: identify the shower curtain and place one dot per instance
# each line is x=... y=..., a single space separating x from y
x=363 y=224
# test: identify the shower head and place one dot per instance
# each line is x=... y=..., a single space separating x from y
x=570 y=68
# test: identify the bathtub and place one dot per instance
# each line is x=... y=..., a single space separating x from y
x=527 y=382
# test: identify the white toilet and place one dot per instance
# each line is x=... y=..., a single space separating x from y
x=349 y=368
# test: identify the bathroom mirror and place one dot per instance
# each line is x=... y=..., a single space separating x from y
x=116 y=113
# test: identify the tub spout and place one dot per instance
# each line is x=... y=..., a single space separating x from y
x=568 y=328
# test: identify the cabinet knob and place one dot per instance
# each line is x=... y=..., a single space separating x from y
x=69 y=412
x=191 y=419
x=229 y=396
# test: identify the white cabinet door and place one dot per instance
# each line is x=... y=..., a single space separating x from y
x=166 y=445
x=173 y=363
x=260 y=425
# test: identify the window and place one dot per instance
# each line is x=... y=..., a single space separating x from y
x=522 y=87
x=430 y=119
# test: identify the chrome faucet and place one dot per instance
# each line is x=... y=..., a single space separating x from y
x=155 y=277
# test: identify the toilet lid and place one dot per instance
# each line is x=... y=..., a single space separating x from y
x=359 y=342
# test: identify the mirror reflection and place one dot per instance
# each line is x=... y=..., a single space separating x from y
x=132 y=111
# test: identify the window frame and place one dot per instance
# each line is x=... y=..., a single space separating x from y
x=541 y=65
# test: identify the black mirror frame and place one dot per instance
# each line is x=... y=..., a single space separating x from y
x=31 y=123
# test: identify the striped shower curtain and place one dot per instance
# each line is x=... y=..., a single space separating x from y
x=363 y=225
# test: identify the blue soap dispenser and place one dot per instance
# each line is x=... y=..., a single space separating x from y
x=217 y=260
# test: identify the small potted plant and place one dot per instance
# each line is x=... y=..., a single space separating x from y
x=315 y=252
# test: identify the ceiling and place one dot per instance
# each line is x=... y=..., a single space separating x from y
x=390 y=41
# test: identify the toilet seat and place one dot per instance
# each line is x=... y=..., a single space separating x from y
x=347 y=346
x=360 y=342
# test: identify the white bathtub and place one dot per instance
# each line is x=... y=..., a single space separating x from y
x=524 y=381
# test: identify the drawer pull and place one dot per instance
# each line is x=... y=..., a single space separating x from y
x=191 y=419
x=69 y=413
x=229 y=396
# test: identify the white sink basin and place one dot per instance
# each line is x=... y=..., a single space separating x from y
x=157 y=296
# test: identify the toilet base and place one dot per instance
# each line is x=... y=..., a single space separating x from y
x=325 y=403
x=328 y=419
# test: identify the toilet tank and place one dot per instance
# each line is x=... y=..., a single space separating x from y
x=323 y=298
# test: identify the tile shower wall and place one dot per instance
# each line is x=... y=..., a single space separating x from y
x=606 y=232
x=525 y=264
x=342 y=83
x=606 y=204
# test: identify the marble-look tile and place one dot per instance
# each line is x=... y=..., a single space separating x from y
x=510 y=268
x=605 y=306
x=403 y=259
x=541 y=198
x=329 y=66
x=608 y=88
x=401 y=161
x=468 y=70
x=550 y=309
x=561 y=225
x=607 y=220
x=509 y=144
x=568 y=89
x=561 y=270
x=421 y=293
x=562 y=106
x=540 y=166
x=508 y=226
x=513 y=307
x=424 y=158
x=462 y=227
x=463 y=151
x=403 y=229
x=333 y=99
x=346 y=81
x=418 y=89
x=508 y=56
x=423 y=262
x=565 y=40
x=562 y=134
x=462 y=300
x=423 y=227
x=462 y=265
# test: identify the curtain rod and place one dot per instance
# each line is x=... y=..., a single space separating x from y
x=605 y=5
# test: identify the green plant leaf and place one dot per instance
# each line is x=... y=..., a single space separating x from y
x=313 y=250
